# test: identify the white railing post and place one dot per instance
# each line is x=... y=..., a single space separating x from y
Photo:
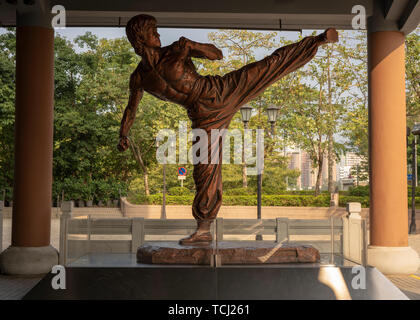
x=282 y=230
x=89 y=231
x=219 y=229
x=122 y=206
x=137 y=233
x=1 y=225
x=66 y=214
x=353 y=233
x=334 y=200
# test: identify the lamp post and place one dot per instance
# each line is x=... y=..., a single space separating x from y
x=246 y=115
x=415 y=132
x=163 y=210
x=272 y=112
x=246 y=111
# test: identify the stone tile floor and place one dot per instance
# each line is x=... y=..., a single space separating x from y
x=15 y=287
x=409 y=285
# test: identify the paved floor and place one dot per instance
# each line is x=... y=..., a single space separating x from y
x=15 y=287
x=409 y=285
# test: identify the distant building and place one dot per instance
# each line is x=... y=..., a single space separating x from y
x=342 y=171
x=300 y=160
x=346 y=170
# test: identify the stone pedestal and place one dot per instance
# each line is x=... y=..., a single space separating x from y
x=232 y=252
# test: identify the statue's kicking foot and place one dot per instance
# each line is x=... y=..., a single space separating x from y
x=201 y=236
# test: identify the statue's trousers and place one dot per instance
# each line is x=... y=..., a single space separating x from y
x=216 y=99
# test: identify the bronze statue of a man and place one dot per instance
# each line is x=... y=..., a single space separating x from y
x=211 y=101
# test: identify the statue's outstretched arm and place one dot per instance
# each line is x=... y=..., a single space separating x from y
x=129 y=116
x=201 y=50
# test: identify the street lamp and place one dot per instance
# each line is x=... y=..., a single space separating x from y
x=246 y=111
x=272 y=112
x=415 y=131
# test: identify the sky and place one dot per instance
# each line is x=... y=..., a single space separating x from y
x=168 y=35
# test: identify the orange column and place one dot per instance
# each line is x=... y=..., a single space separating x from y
x=387 y=140
x=33 y=136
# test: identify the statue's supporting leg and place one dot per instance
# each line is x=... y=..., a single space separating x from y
x=207 y=201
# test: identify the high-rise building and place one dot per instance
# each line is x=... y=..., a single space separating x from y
x=301 y=161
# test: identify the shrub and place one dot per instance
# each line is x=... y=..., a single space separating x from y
x=417 y=192
x=273 y=189
x=240 y=200
x=303 y=192
x=360 y=191
x=343 y=200
x=179 y=191
x=103 y=191
x=237 y=191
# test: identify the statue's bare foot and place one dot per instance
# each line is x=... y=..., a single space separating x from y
x=201 y=236
x=197 y=239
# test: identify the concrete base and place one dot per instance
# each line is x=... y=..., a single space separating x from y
x=28 y=260
x=263 y=282
x=394 y=260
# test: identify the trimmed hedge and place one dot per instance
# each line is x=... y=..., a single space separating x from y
x=244 y=200
x=179 y=191
x=343 y=200
x=363 y=191
x=237 y=191
x=360 y=191
x=322 y=200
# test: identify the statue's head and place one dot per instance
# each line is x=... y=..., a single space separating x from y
x=141 y=31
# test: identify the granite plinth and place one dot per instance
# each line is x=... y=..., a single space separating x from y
x=229 y=252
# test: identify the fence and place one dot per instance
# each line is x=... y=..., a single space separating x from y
x=80 y=236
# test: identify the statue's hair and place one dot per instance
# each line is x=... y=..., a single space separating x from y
x=136 y=27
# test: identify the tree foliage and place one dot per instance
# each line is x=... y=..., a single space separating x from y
x=321 y=104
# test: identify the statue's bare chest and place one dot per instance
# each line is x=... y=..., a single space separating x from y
x=173 y=72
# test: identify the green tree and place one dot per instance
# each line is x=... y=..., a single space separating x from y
x=412 y=72
x=7 y=110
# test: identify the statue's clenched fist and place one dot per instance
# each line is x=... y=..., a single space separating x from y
x=330 y=35
x=123 y=144
x=184 y=42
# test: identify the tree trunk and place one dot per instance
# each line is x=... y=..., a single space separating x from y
x=331 y=186
x=330 y=132
x=137 y=155
x=319 y=175
x=244 y=179
x=146 y=183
